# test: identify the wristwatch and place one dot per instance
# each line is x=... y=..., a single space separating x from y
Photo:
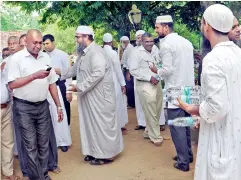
x=59 y=108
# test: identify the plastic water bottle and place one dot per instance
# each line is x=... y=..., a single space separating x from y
x=183 y=121
x=188 y=94
x=187 y=99
x=184 y=90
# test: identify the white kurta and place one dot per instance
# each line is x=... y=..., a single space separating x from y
x=61 y=129
x=121 y=105
x=139 y=112
x=219 y=147
x=100 y=132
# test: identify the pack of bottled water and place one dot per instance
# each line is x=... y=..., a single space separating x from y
x=188 y=94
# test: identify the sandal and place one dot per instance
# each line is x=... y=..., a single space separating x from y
x=100 y=161
x=13 y=177
x=56 y=171
x=89 y=158
x=162 y=128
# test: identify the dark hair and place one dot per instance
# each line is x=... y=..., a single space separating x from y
x=48 y=36
x=90 y=37
x=170 y=25
x=22 y=36
x=5 y=49
x=145 y=35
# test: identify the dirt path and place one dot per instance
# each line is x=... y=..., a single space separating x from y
x=139 y=161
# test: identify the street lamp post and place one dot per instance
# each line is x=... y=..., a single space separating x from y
x=135 y=16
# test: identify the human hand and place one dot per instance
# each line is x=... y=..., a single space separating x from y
x=189 y=108
x=72 y=87
x=3 y=65
x=128 y=76
x=69 y=97
x=57 y=70
x=41 y=74
x=154 y=81
x=153 y=69
x=60 y=115
x=123 y=89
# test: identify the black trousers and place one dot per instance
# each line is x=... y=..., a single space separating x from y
x=33 y=122
x=181 y=137
x=62 y=88
x=130 y=91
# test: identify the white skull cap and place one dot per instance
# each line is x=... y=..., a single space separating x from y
x=124 y=38
x=219 y=17
x=139 y=32
x=107 y=37
x=164 y=19
x=85 y=30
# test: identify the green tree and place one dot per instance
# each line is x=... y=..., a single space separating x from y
x=14 y=19
x=111 y=13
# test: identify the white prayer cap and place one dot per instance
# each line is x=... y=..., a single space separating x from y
x=139 y=32
x=164 y=19
x=107 y=37
x=85 y=30
x=124 y=38
x=219 y=17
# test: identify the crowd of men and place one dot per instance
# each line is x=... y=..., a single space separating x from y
x=37 y=88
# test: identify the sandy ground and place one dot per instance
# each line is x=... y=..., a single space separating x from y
x=140 y=160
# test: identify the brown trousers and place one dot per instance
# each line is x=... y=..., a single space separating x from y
x=7 y=141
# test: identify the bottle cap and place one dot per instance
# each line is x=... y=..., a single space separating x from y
x=169 y=122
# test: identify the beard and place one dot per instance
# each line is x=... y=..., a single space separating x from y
x=206 y=46
x=80 y=48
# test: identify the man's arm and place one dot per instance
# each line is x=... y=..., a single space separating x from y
x=215 y=105
x=98 y=65
x=71 y=72
x=166 y=55
x=16 y=81
x=54 y=93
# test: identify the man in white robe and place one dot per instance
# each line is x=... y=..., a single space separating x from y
x=219 y=148
x=60 y=62
x=120 y=89
x=126 y=45
x=100 y=132
x=139 y=112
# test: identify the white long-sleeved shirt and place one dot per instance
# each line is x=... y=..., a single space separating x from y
x=126 y=56
x=140 y=60
x=177 y=58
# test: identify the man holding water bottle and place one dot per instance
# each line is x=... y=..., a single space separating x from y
x=177 y=70
x=150 y=93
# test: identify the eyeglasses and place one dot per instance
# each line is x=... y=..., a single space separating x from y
x=77 y=37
